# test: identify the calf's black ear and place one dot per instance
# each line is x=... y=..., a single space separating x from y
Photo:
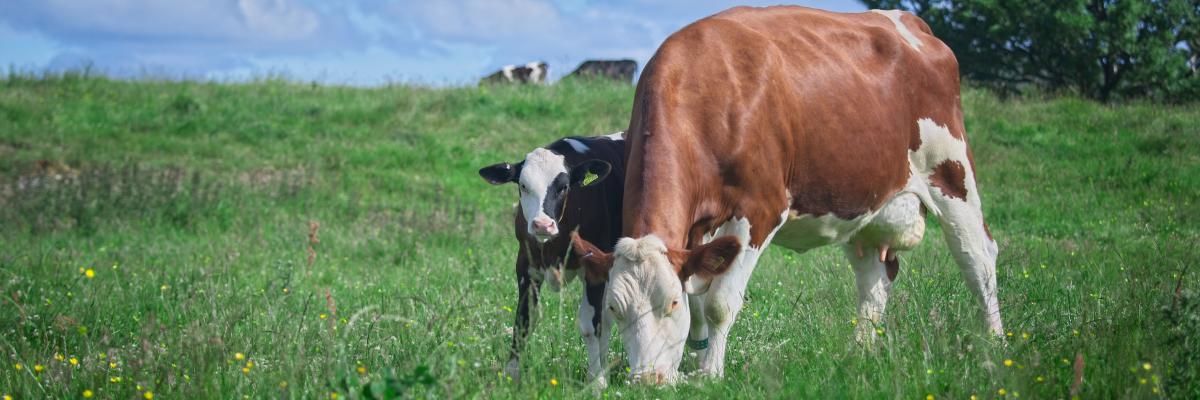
x=499 y=174
x=589 y=172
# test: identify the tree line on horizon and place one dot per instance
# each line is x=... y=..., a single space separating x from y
x=1101 y=49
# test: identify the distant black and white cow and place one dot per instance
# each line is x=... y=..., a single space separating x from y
x=620 y=70
x=534 y=72
x=571 y=185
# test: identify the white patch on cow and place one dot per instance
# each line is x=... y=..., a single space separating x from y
x=507 y=71
x=536 y=73
x=578 y=146
x=804 y=232
x=616 y=136
x=937 y=146
x=908 y=36
x=540 y=168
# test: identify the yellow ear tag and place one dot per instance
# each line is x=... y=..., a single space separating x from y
x=589 y=178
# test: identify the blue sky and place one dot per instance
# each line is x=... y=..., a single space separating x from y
x=355 y=42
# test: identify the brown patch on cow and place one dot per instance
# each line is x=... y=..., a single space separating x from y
x=951 y=178
x=987 y=231
x=893 y=268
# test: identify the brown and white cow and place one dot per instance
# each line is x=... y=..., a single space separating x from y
x=573 y=185
x=791 y=126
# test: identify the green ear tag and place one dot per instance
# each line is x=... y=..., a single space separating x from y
x=589 y=178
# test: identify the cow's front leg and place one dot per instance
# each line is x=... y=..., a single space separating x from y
x=595 y=327
x=527 y=302
x=698 y=334
x=722 y=303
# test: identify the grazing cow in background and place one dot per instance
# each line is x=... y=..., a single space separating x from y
x=571 y=185
x=619 y=70
x=792 y=126
x=534 y=72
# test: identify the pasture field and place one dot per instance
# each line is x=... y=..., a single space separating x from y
x=290 y=240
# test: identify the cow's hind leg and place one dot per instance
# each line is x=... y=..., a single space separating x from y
x=874 y=282
x=973 y=249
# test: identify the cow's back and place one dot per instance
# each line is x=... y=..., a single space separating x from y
x=785 y=103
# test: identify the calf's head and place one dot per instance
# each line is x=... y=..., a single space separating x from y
x=544 y=180
x=647 y=284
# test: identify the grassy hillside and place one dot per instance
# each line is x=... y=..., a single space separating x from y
x=271 y=239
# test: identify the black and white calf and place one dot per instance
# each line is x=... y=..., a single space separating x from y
x=572 y=185
x=534 y=72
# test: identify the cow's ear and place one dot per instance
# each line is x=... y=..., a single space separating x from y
x=699 y=265
x=595 y=262
x=499 y=174
x=589 y=172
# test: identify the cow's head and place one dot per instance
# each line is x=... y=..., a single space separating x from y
x=544 y=180
x=646 y=294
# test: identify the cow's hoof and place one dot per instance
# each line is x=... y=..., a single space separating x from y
x=865 y=335
x=599 y=384
x=513 y=370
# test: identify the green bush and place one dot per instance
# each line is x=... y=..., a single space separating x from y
x=1102 y=49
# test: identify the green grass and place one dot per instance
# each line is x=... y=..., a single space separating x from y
x=192 y=202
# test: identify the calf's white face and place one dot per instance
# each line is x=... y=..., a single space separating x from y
x=544 y=180
x=646 y=295
x=544 y=173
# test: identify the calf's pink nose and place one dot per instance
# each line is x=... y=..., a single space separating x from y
x=545 y=226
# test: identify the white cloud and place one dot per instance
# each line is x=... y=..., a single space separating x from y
x=365 y=40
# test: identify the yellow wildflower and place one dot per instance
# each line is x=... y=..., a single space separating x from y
x=1001 y=392
x=74 y=361
x=87 y=393
x=333 y=395
x=89 y=273
x=148 y=395
x=1008 y=362
x=112 y=364
x=553 y=382
x=282 y=384
x=1040 y=379
x=1025 y=335
x=361 y=370
x=18 y=366
x=929 y=397
x=239 y=356
x=1142 y=381
x=245 y=370
x=1146 y=366
x=38 y=368
x=7 y=397
x=323 y=316
x=58 y=357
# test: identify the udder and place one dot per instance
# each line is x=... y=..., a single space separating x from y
x=898 y=226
